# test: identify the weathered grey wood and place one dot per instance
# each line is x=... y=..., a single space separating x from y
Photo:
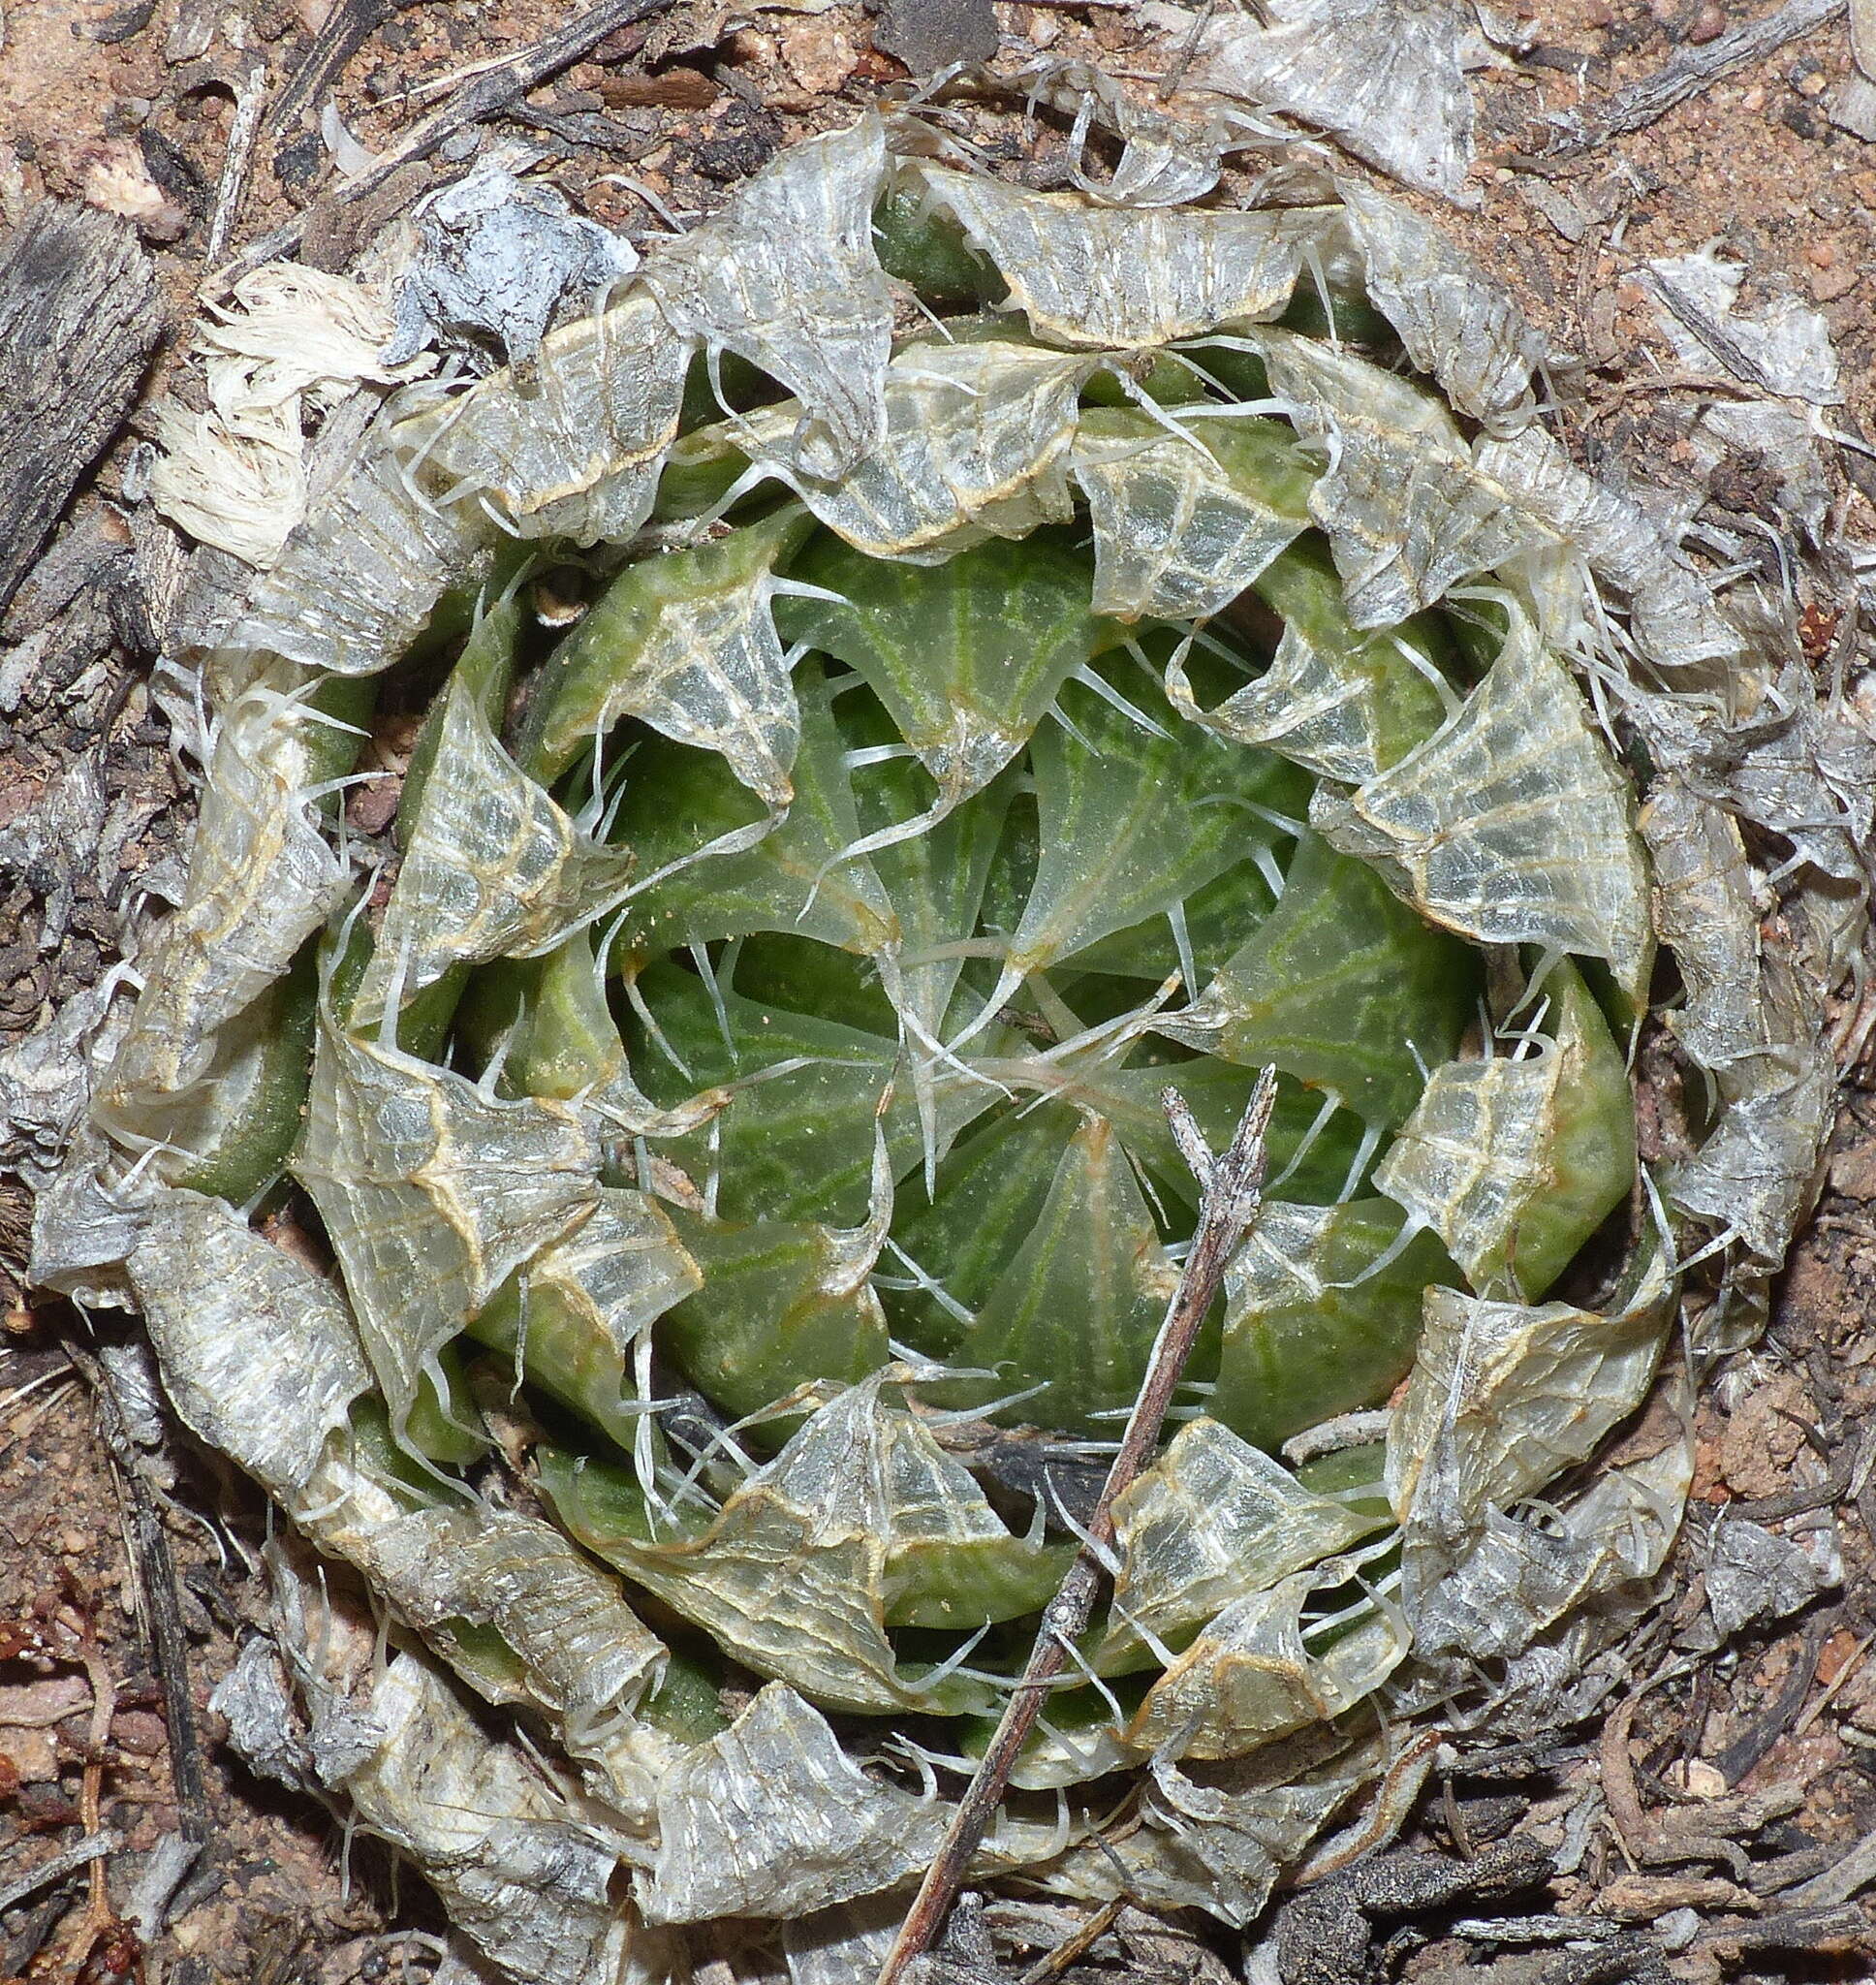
x=80 y=314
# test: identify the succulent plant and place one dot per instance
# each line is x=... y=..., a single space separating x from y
x=737 y=1116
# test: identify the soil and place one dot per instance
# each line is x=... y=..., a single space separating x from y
x=1758 y=1757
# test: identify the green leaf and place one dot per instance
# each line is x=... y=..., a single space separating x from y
x=1217 y=1094
x=796 y=1145
x=1341 y=987
x=1077 y=1309
x=966 y=656
x=687 y=645
x=935 y=881
x=1133 y=823
x=991 y=1190
x=1219 y=916
x=778 y=1305
x=791 y=877
x=240 y=1122
x=1300 y=1346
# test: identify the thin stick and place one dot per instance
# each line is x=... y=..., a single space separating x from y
x=250 y=100
x=1694 y=68
x=1189 y=47
x=1076 y=1945
x=341 y=35
x=91 y=1849
x=1232 y=1192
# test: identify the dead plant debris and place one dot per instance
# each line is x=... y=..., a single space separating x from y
x=1707 y=1815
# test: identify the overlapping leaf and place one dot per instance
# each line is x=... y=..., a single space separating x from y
x=432 y=1193
x=1181 y=529
x=1338 y=702
x=262 y=879
x=1511 y=824
x=786 y=277
x=493 y=867
x=576 y=453
x=1211 y=1521
x=686 y=644
x=1121 y=278
x=1514 y=1161
x=1406 y=507
x=1321 y=1314
x=974 y=446
x=792 y=1575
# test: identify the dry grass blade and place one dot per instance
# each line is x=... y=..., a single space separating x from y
x=1233 y=1186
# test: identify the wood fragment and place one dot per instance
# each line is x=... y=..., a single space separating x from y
x=79 y=317
x=1835 y=1685
x=1815 y=1930
x=1693 y=69
x=1647 y=1898
x=1232 y=1189
x=341 y=35
x=1745 y=1750
x=250 y=100
x=1075 y=1945
x=1862 y=37
x=1854 y=1873
x=156 y=1567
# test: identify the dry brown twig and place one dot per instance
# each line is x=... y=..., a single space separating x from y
x=1676 y=1836
x=92 y=1848
x=1232 y=1190
x=1075 y=1945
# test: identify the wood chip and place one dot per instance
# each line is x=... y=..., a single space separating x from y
x=676 y=89
x=79 y=317
x=1647 y=1898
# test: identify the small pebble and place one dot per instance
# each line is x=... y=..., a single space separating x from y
x=76 y=1543
x=1754 y=98
x=1821 y=255
x=1828 y=284
x=1814 y=85
x=1709 y=23
x=139 y=1732
x=31 y=1757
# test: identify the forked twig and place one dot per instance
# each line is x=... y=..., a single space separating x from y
x=1232 y=1190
